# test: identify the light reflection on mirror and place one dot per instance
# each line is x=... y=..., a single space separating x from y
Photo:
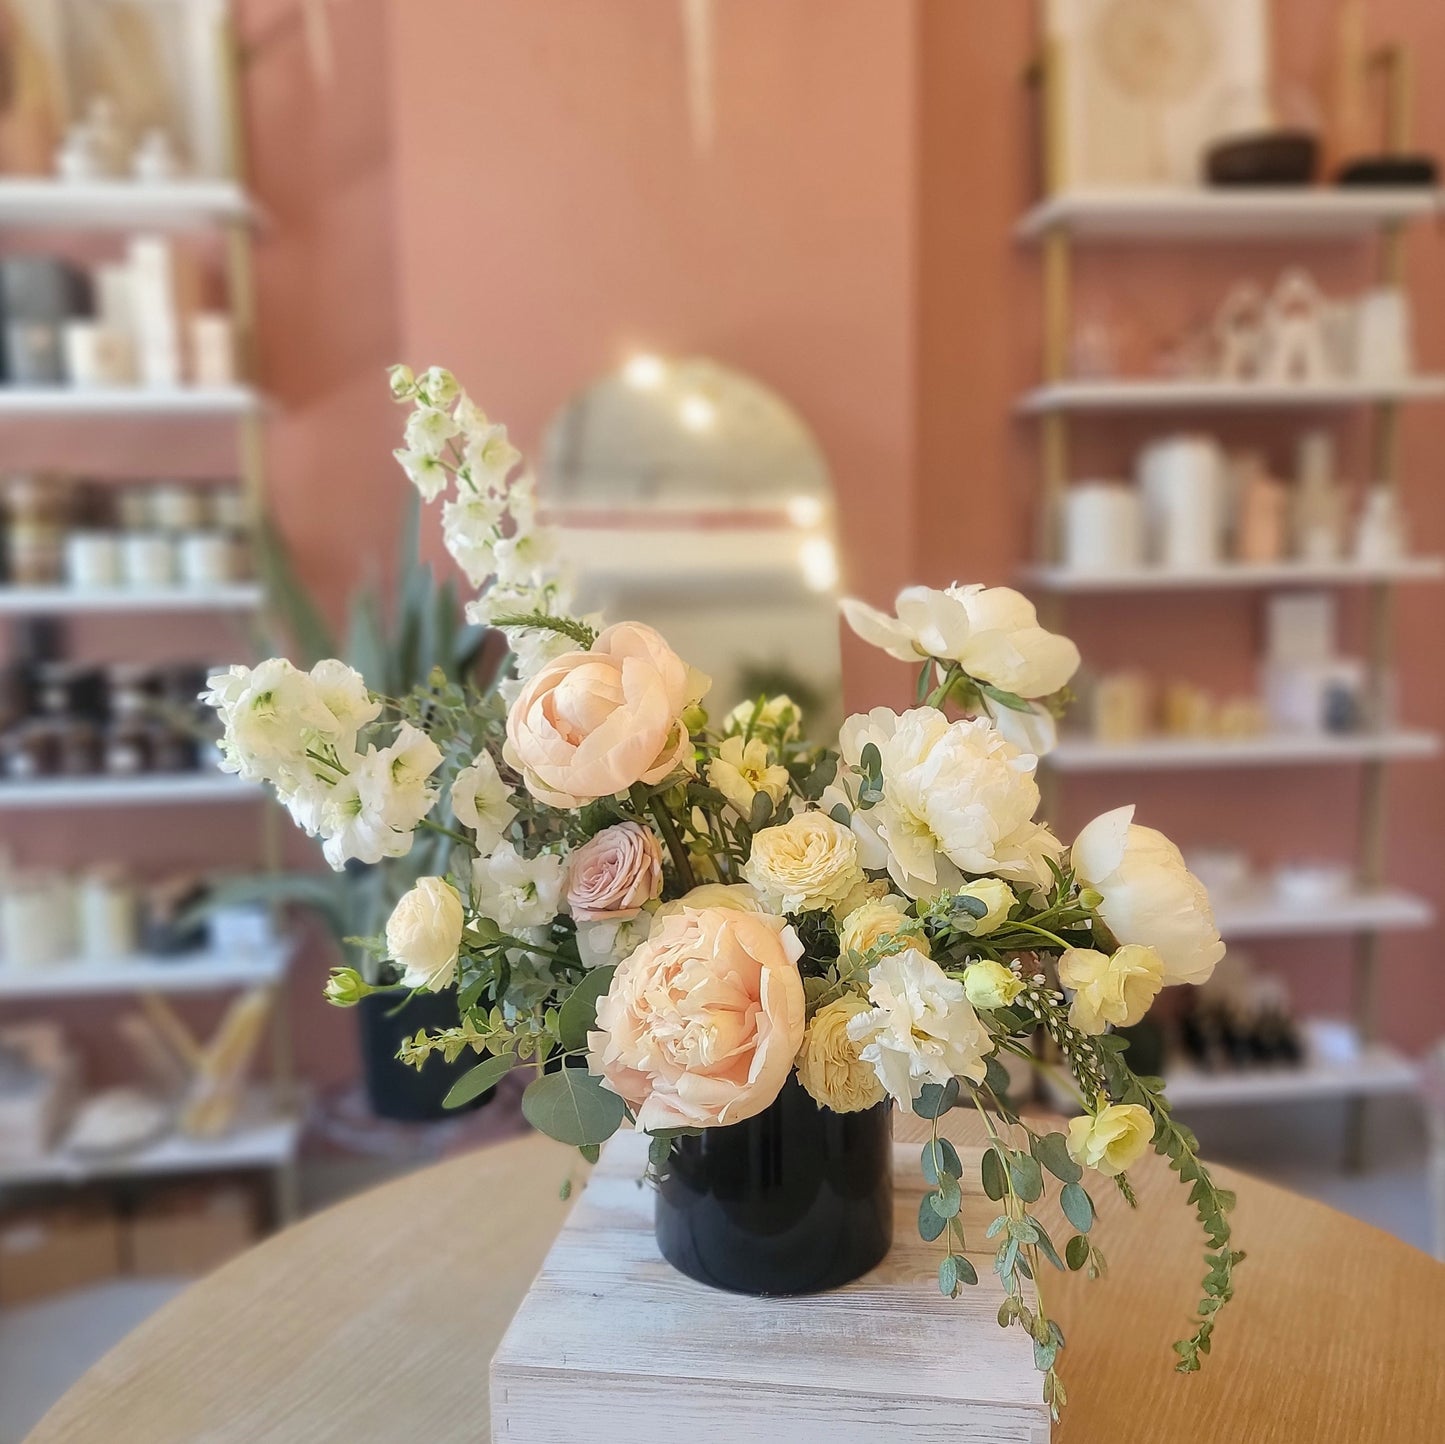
x=692 y=497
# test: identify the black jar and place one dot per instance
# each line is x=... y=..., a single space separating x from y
x=794 y=1201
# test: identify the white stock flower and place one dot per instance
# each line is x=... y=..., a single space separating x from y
x=470 y=529
x=993 y=633
x=957 y=798
x=424 y=470
x=489 y=456
x=602 y=943
x=921 y=1028
x=741 y=770
x=428 y=429
x=1149 y=896
x=271 y=713
x=343 y=691
x=517 y=892
x=424 y=934
x=373 y=811
x=438 y=385
x=482 y=801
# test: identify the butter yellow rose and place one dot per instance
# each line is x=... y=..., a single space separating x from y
x=829 y=1065
x=997 y=896
x=808 y=863
x=880 y=918
x=1113 y=1139
x=1110 y=991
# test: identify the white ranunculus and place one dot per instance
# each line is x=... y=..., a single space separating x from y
x=515 y=891
x=921 y=1027
x=482 y=801
x=1149 y=896
x=993 y=633
x=991 y=985
x=957 y=798
x=425 y=472
x=424 y=934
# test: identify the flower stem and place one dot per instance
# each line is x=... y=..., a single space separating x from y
x=1041 y=932
x=668 y=828
x=446 y=832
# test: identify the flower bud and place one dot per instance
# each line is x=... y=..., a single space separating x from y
x=1090 y=898
x=403 y=383
x=990 y=985
x=694 y=718
x=346 y=987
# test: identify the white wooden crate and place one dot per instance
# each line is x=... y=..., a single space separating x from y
x=614 y=1346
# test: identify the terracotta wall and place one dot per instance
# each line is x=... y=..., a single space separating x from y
x=510 y=188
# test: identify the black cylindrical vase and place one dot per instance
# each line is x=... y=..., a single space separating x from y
x=794 y=1201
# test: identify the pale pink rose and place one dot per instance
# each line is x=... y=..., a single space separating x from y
x=590 y=724
x=702 y=1021
x=612 y=874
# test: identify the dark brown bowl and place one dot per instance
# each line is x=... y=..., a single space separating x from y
x=1270 y=158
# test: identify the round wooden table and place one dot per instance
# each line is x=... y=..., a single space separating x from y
x=376 y=1321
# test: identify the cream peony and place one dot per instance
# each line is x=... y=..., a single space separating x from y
x=1150 y=897
x=880 y=918
x=998 y=897
x=741 y=770
x=921 y=1028
x=989 y=985
x=424 y=934
x=702 y=1022
x=957 y=798
x=481 y=801
x=993 y=633
x=590 y=724
x=805 y=864
x=829 y=1066
x=1110 y=991
x=1113 y=1139
x=613 y=874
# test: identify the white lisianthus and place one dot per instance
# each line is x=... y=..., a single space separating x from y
x=1111 y=1140
x=957 y=798
x=993 y=633
x=1110 y=991
x=482 y=801
x=997 y=896
x=880 y=918
x=808 y=863
x=1149 y=896
x=424 y=470
x=776 y=717
x=517 y=892
x=424 y=934
x=991 y=985
x=921 y=1028
x=741 y=770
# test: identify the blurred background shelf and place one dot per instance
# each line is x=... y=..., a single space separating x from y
x=1237 y=576
x=1082 y=754
x=262 y=1138
x=129 y=401
x=121 y=204
x=1267 y=916
x=60 y=601
x=1181 y=214
x=1150 y=395
x=198 y=972
x=184 y=787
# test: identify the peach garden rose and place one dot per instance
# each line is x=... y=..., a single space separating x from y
x=702 y=1021
x=590 y=724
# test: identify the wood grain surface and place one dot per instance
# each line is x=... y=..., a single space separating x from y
x=375 y=1321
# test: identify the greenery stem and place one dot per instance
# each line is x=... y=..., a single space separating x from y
x=447 y=832
x=668 y=828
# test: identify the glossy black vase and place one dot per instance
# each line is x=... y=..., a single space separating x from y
x=794 y=1201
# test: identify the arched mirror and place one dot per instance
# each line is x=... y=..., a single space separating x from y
x=694 y=498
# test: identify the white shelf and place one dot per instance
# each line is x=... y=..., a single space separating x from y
x=261 y=1138
x=1264 y=915
x=1145 y=394
x=202 y=972
x=1198 y=214
x=183 y=787
x=1081 y=754
x=137 y=401
x=121 y=204
x=56 y=601
x=1237 y=576
x=1377 y=1070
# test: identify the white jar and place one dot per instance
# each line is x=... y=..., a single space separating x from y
x=37 y=922
x=207 y=559
x=96 y=356
x=106 y=908
x=177 y=508
x=92 y=560
x=1102 y=527
x=148 y=559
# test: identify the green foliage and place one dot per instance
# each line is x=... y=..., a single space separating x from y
x=573 y=1107
x=475 y=1081
x=936 y=1099
x=579 y=1013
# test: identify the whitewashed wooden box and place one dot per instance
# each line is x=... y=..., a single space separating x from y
x=614 y=1346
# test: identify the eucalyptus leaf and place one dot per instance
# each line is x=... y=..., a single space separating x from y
x=930 y=1222
x=475 y=1081
x=991 y=1173
x=948 y=1277
x=573 y=1107
x=940 y=1157
x=948 y=1198
x=1076 y=1252
x=967 y=1274
x=1052 y=1150
x=1078 y=1207
x=1028 y=1177
x=579 y=1012
x=936 y=1099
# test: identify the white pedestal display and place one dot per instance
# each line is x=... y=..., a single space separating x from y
x=614 y=1346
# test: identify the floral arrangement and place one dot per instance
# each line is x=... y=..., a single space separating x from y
x=664 y=915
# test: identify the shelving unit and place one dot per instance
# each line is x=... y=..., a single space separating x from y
x=1060 y=222
x=1083 y=754
x=267 y=1133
